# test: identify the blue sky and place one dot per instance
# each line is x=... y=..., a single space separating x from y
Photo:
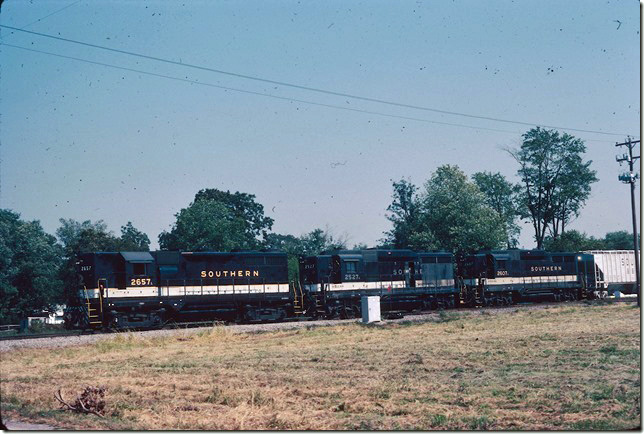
x=86 y=141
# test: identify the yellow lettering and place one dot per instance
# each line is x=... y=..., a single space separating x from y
x=203 y=274
x=225 y=273
x=255 y=273
x=218 y=273
x=247 y=273
x=240 y=273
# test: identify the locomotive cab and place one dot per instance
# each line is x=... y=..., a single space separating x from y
x=139 y=270
x=347 y=268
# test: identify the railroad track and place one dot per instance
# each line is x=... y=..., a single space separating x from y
x=43 y=335
x=386 y=315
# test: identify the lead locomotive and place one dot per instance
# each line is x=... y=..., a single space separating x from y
x=148 y=289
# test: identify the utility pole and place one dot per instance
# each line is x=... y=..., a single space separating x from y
x=630 y=178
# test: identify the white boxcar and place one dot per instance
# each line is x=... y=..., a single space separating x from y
x=615 y=270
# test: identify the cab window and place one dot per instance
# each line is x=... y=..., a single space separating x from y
x=138 y=269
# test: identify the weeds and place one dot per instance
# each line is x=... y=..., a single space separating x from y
x=478 y=423
x=444 y=316
x=438 y=420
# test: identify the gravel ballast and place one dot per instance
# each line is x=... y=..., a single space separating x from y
x=66 y=341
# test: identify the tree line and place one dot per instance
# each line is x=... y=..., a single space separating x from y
x=458 y=214
x=450 y=211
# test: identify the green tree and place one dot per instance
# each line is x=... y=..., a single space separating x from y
x=620 y=240
x=555 y=181
x=403 y=215
x=309 y=244
x=322 y=240
x=572 y=188
x=500 y=196
x=83 y=237
x=133 y=240
x=312 y=243
x=286 y=243
x=244 y=208
x=294 y=248
x=455 y=216
x=29 y=264
x=207 y=225
x=572 y=241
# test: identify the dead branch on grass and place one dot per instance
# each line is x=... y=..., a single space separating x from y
x=89 y=402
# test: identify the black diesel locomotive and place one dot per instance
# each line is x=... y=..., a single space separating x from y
x=505 y=277
x=149 y=289
x=404 y=280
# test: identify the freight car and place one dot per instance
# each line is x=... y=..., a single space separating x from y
x=508 y=276
x=615 y=270
x=148 y=289
x=333 y=284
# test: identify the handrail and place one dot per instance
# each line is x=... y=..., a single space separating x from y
x=86 y=295
x=298 y=287
x=100 y=301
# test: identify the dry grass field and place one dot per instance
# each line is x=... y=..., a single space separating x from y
x=564 y=367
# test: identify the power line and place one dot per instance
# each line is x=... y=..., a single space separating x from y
x=49 y=15
x=313 y=103
x=185 y=80
x=296 y=86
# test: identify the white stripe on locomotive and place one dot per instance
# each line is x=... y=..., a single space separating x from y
x=528 y=280
x=386 y=284
x=167 y=291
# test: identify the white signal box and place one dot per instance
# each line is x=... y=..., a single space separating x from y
x=370 y=309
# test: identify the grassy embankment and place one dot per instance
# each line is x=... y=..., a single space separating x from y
x=565 y=367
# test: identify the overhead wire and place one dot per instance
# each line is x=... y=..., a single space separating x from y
x=268 y=95
x=301 y=87
x=47 y=16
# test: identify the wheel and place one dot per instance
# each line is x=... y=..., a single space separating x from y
x=346 y=312
x=156 y=320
